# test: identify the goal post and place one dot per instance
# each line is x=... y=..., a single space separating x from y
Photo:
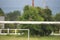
x=15 y=33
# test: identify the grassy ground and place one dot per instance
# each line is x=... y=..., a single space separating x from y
x=31 y=38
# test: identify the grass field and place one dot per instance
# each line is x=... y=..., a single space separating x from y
x=31 y=38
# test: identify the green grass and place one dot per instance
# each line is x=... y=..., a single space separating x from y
x=46 y=38
x=31 y=38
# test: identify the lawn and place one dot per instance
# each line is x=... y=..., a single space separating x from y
x=31 y=38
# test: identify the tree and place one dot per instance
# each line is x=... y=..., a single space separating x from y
x=34 y=14
x=10 y=26
x=57 y=26
x=1 y=12
x=13 y=16
x=47 y=14
x=57 y=17
x=31 y=14
x=47 y=29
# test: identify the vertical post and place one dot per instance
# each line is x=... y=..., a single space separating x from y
x=8 y=30
x=15 y=31
x=0 y=31
x=28 y=34
x=59 y=31
x=33 y=3
x=52 y=33
x=3 y=26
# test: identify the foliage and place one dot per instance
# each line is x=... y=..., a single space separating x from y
x=57 y=17
x=56 y=26
x=1 y=12
x=31 y=14
x=46 y=14
x=36 y=14
x=10 y=26
x=47 y=29
x=13 y=16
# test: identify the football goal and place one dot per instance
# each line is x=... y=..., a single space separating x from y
x=19 y=32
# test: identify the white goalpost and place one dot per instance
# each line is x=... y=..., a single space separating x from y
x=15 y=30
x=15 y=33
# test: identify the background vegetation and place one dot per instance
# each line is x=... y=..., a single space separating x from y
x=33 y=14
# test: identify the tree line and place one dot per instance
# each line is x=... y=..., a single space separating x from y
x=33 y=14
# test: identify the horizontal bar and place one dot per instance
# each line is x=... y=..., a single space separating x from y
x=14 y=29
x=9 y=33
x=29 y=22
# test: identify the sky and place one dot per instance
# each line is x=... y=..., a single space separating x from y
x=11 y=5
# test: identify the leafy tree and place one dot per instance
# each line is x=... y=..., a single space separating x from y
x=47 y=29
x=47 y=14
x=13 y=16
x=1 y=12
x=34 y=14
x=31 y=14
x=10 y=26
x=57 y=26
x=57 y=17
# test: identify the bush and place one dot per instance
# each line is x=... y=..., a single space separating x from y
x=4 y=31
x=42 y=30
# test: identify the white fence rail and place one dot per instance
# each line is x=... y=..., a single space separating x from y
x=29 y=22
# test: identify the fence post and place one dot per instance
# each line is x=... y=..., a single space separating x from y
x=28 y=34
x=0 y=31
x=15 y=31
x=8 y=30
